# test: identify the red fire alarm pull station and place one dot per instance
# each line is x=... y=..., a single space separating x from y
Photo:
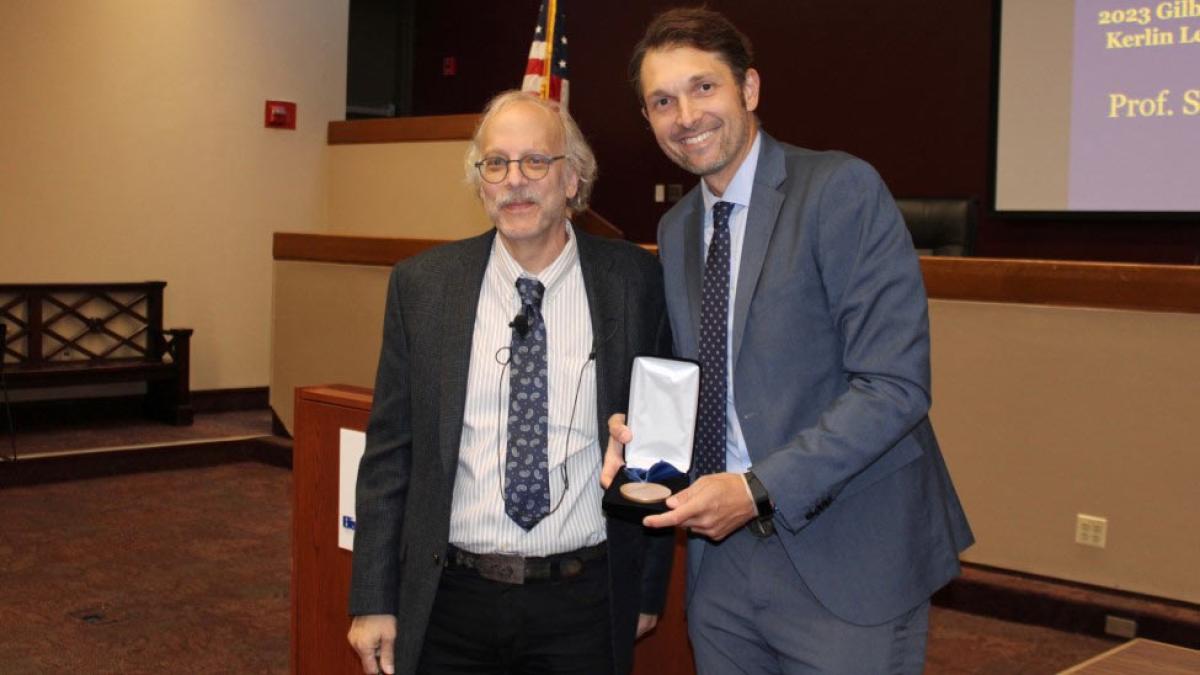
x=280 y=115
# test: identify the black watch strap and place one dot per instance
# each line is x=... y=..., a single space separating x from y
x=762 y=501
x=761 y=525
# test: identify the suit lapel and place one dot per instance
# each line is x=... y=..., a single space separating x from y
x=606 y=305
x=460 y=301
x=765 y=203
x=693 y=259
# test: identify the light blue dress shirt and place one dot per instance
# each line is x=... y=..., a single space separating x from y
x=737 y=458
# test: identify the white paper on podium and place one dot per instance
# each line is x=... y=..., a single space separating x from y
x=351 y=445
x=663 y=397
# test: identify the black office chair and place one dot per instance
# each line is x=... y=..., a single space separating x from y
x=941 y=226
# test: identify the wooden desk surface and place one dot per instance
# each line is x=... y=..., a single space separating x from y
x=1141 y=656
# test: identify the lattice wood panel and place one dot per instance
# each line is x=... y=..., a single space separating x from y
x=73 y=323
x=90 y=326
x=14 y=313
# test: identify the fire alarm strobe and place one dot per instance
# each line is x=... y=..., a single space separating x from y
x=280 y=115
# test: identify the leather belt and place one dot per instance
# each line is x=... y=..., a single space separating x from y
x=513 y=569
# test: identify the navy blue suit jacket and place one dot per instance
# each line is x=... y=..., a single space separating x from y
x=831 y=379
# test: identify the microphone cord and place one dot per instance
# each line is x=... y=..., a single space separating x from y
x=500 y=453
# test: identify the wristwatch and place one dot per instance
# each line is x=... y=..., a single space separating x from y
x=762 y=525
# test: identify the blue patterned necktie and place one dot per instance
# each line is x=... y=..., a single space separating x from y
x=714 y=345
x=526 y=474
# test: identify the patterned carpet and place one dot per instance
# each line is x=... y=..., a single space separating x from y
x=177 y=560
x=165 y=571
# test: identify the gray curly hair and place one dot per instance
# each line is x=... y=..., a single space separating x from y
x=578 y=153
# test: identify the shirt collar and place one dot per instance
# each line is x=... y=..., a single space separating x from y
x=510 y=270
x=742 y=185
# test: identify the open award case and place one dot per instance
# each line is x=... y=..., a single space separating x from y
x=663 y=398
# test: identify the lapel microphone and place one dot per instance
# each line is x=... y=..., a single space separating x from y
x=598 y=342
x=520 y=323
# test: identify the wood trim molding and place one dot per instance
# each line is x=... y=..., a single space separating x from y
x=345 y=395
x=403 y=129
x=347 y=249
x=355 y=250
x=594 y=223
x=224 y=400
x=1153 y=288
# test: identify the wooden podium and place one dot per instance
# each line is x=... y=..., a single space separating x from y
x=321 y=570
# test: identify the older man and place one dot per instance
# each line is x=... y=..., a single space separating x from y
x=481 y=544
x=826 y=514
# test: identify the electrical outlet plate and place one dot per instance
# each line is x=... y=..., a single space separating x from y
x=1091 y=530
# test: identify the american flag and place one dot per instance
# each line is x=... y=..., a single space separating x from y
x=546 y=73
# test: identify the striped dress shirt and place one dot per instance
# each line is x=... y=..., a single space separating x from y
x=478 y=522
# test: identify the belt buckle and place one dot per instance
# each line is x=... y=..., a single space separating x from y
x=508 y=569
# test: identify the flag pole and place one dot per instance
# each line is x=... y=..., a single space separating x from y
x=548 y=60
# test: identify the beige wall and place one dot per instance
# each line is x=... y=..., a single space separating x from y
x=1046 y=412
x=1042 y=412
x=410 y=190
x=327 y=319
x=328 y=324
x=132 y=147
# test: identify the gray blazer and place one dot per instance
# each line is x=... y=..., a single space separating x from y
x=831 y=379
x=407 y=473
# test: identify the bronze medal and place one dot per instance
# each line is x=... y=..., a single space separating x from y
x=645 y=493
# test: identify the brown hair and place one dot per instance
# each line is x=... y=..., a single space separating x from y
x=695 y=27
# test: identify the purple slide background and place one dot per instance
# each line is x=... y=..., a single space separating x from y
x=1139 y=163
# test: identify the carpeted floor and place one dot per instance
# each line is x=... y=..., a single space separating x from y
x=182 y=571
x=970 y=644
x=39 y=439
x=182 y=565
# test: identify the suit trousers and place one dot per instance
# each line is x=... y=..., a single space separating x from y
x=484 y=626
x=750 y=612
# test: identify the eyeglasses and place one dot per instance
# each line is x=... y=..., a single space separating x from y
x=533 y=167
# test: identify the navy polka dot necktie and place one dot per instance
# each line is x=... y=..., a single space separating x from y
x=526 y=474
x=714 y=345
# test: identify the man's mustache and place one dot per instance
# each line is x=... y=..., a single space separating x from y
x=517 y=196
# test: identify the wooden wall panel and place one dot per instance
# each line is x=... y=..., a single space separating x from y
x=1156 y=288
